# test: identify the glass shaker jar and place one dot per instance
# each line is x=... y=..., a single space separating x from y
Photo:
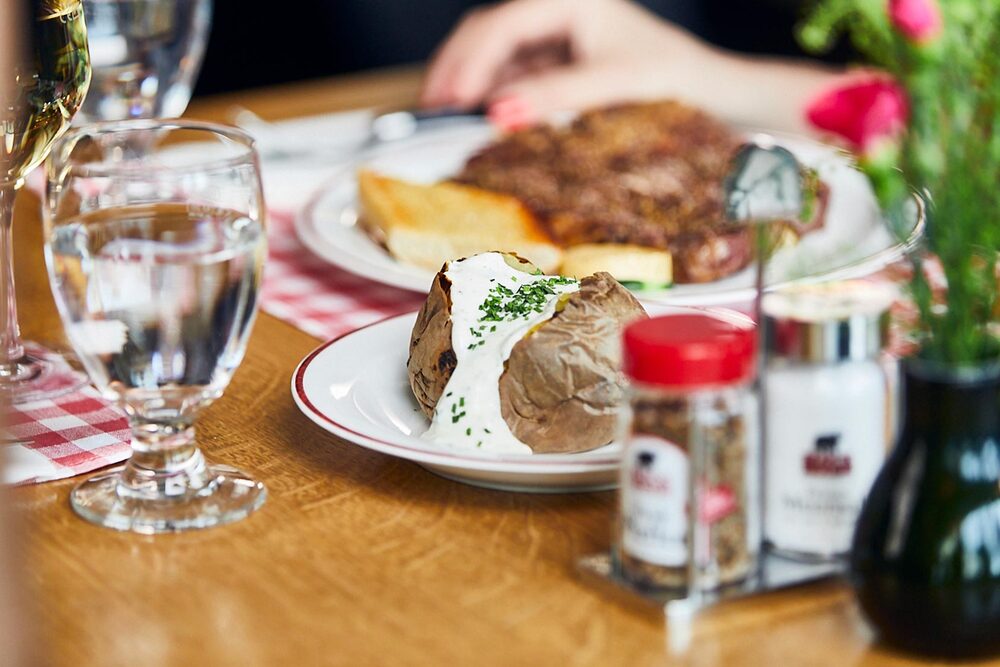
x=688 y=512
x=828 y=413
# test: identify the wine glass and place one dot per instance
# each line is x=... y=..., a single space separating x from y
x=38 y=98
x=155 y=262
x=145 y=56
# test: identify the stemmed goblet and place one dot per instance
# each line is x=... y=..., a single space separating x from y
x=155 y=261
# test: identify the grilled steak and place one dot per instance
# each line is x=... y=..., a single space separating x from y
x=649 y=174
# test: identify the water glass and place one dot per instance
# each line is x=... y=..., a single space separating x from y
x=155 y=263
x=145 y=54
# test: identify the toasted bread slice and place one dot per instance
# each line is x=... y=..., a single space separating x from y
x=427 y=225
x=633 y=265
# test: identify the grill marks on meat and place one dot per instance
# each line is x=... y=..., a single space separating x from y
x=649 y=174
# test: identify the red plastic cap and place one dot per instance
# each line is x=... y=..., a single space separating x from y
x=691 y=350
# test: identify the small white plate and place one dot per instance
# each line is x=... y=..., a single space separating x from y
x=853 y=243
x=356 y=387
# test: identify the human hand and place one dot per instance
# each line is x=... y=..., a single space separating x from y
x=525 y=59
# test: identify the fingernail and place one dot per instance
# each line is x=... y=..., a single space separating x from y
x=511 y=112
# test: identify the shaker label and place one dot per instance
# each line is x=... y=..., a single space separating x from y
x=823 y=455
x=654 y=497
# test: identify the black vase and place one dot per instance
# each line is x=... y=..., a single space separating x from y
x=925 y=562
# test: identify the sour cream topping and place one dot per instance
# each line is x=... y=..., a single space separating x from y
x=493 y=306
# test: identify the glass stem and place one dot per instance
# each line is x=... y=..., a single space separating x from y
x=11 y=350
x=165 y=463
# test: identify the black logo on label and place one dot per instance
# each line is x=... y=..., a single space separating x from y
x=825 y=459
x=645 y=478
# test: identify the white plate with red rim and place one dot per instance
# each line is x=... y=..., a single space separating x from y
x=356 y=387
x=854 y=242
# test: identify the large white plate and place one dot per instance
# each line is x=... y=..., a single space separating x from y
x=853 y=243
x=355 y=387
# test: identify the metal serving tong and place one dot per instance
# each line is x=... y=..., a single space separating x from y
x=764 y=186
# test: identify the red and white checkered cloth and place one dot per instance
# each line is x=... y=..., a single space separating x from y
x=317 y=297
x=67 y=436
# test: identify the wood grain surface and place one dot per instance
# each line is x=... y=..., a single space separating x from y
x=358 y=558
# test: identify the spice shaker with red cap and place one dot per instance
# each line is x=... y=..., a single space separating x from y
x=689 y=503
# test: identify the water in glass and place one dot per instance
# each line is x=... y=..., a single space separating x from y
x=158 y=301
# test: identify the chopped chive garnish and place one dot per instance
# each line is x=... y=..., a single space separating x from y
x=468 y=431
x=504 y=304
x=461 y=401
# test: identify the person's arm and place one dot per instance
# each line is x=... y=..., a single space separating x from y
x=525 y=59
x=766 y=92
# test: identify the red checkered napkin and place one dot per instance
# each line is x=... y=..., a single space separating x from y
x=66 y=436
x=318 y=298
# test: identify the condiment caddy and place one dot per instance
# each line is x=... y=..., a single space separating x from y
x=689 y=527
x=692 y=404
x=773 y=573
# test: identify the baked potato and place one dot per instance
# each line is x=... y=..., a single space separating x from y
x=559 y=387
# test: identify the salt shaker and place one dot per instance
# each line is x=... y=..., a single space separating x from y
x=826 y=392
x=688 y=500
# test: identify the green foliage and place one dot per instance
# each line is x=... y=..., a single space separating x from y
x=950 y=154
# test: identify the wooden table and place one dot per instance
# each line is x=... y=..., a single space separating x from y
x=359 y=558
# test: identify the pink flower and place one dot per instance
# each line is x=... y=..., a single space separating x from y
x=918 y=20
x=865 y=113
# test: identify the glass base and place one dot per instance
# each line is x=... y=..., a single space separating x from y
x=38 y=376
x=229 y=495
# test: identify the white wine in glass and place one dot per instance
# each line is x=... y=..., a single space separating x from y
x=38 y=97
